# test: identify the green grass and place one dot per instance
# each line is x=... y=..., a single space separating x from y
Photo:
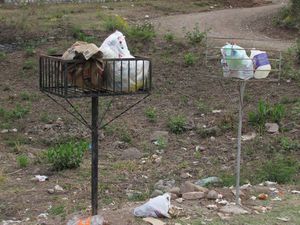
x=161 y=143
x=288 y=145
x=16 y=113
x=29 y=64
x=30 y=51
x=177 y=124
x=169 y=37
x=3 y=56
x=57 y=210
x=202 y=107
x=79 y=35
x=52 y=51
x=22 y=161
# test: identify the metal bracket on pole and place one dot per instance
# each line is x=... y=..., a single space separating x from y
x=239 y=147
x=94 y=182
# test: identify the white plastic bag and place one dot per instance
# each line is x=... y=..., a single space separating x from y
x=126 y=75
x=236 y=63
x=156 y=207
x=261 y=63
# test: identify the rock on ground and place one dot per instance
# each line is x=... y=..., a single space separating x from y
x=190 y=187
x=233 y=209
x=131 y=154
x=193 y=195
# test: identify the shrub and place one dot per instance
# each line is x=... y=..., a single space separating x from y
x=161 y=143
x=29 y=64
x=190 y=59
x=150 y=113
x=29 y=51
x=195 y=36
x=177 y=124
x=112 y=23
x=68 y=155
x=280 y=169
x=22 y=161
x=143 y=32
x=78 y=34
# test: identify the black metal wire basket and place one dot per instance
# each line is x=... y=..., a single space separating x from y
x=119 y=77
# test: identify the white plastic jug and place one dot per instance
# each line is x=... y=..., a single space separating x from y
x=261 y=64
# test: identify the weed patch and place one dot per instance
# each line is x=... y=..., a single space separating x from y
x=177 y=124
x=22 y=161
x=112 y=23
x=195 y=36
x=141 y=33
x=288 y=144
x=68 y=155
x=169 y=37
x=151 y=114
x=190 y=59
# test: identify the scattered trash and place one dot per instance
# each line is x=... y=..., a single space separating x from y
x=58 y=188
x=10 y=222
x=212 y=207
x=262 y=209
x=40 y=178
x=270 y=183
x=245 y=186
x=272 y=128
x=155 y=207
x=276 y=199
x=51 y=191
x=4 y=131
x=295 y=192
x=216 y=111
x=43 y=216
x=176 y=212
x=147 y=16
x=185 y=175
x=14 y=130
x=284 y=219
x=188 y=186
x=249 y=136
x=253 y=198
x=179 y=200
x=92 y=220
x=154 y=221
x=234 y=192
x=208 y=180
x=222 y=201
x=262 y=196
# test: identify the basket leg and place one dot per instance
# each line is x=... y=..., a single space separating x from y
x=94 y=182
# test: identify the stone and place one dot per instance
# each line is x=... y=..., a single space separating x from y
x=164 y=185
x=185 y=175
x=58 y=188
x=233 y=209
x=249 y=136
x=173 y=196
x=175 y=190
x=190 y=187
x=234 y=192
x=156 y=135
x=156 y=193
x=51 y=191
x=179 y=200
x=208 y=180
x=119 y=145
x=193 y=195
x=212 y=195
x=272 y=128
x=131 y=154
x=212 y=207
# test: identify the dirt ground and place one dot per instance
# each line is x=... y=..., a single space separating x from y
x=178 y=89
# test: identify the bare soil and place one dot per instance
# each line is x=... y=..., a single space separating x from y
x=177 y=90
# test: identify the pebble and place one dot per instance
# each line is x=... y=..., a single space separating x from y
x=179 y=200
x=212 y=207
x=51 y=191
x=156 y=193
x=175 y=190
x=193 y=195
x=233 y=209
x=4 y=131
x=272 y=127
x=131 y=154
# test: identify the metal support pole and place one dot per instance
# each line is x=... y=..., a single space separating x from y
x=239 y=147
x=94 y=181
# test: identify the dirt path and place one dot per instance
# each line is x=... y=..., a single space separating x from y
x=227 y=23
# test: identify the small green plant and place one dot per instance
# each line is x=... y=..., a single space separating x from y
x=138 y=196
x=29 y=64
x=169 y=37
x=177 y=124
x=68 y=155
x=30 y=51
x=3 y=56
x=288 y=144
x=202 y=106
x=22 y=161
x=112 y=23
x=57 y=210
x=151 y=114
x=78 y=34
x=266 y=113
x=125 y=135
x=190 y=59
x=281 y=169
x=195 y=36
x=161 y=143
x=52 y=51
x=17 y=113
x=141 y=33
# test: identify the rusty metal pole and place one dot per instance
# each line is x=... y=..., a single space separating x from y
x=94 y=182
